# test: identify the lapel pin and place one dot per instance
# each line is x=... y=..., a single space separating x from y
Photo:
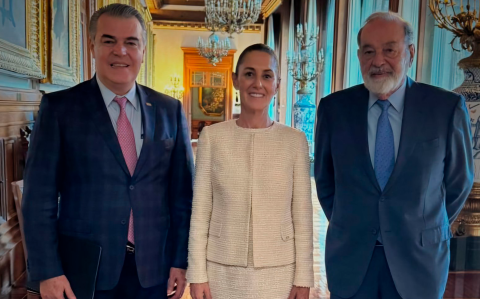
x=148 y=104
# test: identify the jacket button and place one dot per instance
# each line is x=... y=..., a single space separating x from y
x=382 y=199
x=132 y=187
x=288 y=237
x=374 y=231
x=123 y=221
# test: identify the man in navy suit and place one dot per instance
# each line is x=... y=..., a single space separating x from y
x=393 y=168
x=119 y=156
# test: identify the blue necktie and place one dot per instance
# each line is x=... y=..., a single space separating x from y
x=384 y=146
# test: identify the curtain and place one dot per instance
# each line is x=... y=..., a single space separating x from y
x=439 y=65
x=409 y=11
x=290 y=81
x=328 y=50
x=359 y=11
x=271 y=44
x=312 y=27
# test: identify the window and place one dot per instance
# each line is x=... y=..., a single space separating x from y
x=409 y=11
x=439 y=63
x=328 y=49
x=359 y=11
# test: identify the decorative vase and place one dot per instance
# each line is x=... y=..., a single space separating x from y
x=304 y=111
x=469 y=219
x=464 y=24
x=465 y=247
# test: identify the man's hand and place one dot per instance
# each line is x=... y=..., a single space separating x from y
x=176 y=283
x=55 y=288
x=200 y=291
x=299 y=293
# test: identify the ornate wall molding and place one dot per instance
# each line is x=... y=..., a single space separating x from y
x=144 y=75
x=269 y=6
x=29 y=61
x=198 y=26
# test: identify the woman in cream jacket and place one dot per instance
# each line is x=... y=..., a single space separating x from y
x=251 y=229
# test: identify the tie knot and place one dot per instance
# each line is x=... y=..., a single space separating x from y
x=384 y=104
x=121 y=101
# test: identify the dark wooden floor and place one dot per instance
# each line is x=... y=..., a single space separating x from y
x=463 y=285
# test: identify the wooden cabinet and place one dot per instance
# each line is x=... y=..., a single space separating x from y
x=208 y=96
x=17 y=113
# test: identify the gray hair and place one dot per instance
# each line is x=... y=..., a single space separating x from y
x=119 y=11
x=392 y=17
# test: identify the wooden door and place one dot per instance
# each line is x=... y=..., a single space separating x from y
x=208 y=96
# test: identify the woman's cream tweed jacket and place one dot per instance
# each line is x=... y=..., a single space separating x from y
x=261 y=171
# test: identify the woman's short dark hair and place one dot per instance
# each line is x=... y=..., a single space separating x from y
x=262 y=48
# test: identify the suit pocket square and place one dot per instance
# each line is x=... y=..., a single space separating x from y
x=436 y=235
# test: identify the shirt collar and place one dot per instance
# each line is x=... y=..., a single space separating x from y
x=397 y=99
x=109 y=96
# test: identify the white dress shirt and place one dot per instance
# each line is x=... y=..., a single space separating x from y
x=133 y=111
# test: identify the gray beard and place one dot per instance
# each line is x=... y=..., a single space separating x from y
x=386 y=85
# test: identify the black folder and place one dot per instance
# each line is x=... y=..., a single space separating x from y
x=80 y=260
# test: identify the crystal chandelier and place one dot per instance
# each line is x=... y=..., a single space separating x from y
x=213 y=49
x=231 y=16
x=303 y=65
x=173 y=89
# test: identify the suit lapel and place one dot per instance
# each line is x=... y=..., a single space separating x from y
x=359 y=117
x=412 y=116
x=148 y=121
x=95 y=105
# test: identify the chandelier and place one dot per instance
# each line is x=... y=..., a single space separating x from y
x=173 y=89
x=303 y=65
x=213 y=49
x=465 y=25
x=231 y=16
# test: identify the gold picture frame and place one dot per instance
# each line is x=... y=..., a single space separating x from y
x=29 y=61
x=143 y=77
x=64 y=71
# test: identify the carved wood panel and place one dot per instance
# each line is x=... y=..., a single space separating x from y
x=9 y=172
x=17 y=112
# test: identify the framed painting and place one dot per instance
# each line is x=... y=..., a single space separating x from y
x=22 y=37
x=212 y=100
x=64 y=42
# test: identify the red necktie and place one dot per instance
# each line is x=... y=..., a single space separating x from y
x=126 y=138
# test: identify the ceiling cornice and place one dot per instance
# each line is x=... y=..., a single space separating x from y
x=197 y=26
x=269 y=6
